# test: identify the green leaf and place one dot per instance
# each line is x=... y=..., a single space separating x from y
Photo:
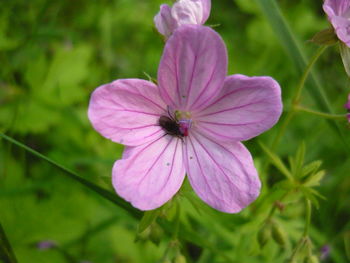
x=311 y=168
x=264 y=235
x=279 y=234
x=316 y=193
x=6 y=252
x=148 y=219
x=325 y=37
x=310 y=196
x=345 y=55
x=299 y=160
x=277 y=162
x=314 y=180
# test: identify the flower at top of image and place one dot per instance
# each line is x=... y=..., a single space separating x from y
x=183 y=12
x=191 y=123
x=338 y=12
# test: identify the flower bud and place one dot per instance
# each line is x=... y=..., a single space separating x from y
x=264 y=235
x=183 y=12
x=156 y=234
x=278 y=234
x=312 y=259
x=180 y=259
x=46 y=245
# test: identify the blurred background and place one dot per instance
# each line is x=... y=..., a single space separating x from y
x=53 y=54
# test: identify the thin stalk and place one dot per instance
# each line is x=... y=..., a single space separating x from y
x=307 y=71
x=307 y=217
x=321 y=114
x=177 y=221
x=6 y=251
x=296 y=97
x=272 y=211
x=73 y=175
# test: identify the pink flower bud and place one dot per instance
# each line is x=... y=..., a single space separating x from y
x=183 y=12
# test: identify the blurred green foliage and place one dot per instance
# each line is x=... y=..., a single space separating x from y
x=55 y=53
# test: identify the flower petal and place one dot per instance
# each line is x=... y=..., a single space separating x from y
x=187 y=12
x=338 y=12
x=150 y=175
x=246 y=107
x=222 y=174
x=193 y=67
x=127 y=111
x=164 y=21
x=342 y=28
x=206 y=9
x=336 y=7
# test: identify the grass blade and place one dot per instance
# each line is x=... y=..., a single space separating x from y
x=73 y=175
x=6 y=252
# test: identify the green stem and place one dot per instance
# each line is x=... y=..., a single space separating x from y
x=187 y=235
x=321 y=114
x=306 y=73
x=300 y=245
x=6 y=252
x=73 y=175
x=307 y=217
x=296 y=97
x=272 y=211
x=177 y=220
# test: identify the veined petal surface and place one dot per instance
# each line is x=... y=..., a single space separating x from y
x=127 y=111
x=150 y=175
x=222 y=174
x=338 y=12
x=336 y=7
x=164 y=21
x=206 y=9
x=193 y=68
x=188 y=12
x=246 y=107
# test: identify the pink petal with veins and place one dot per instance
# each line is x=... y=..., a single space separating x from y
x=183 y=12
x=164 y=21
x=127 y=111
x=193 y=68
x=246 y=107
x=150 y=175
x=338 y=12
x=222 y=174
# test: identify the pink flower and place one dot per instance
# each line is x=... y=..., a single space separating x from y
x=183 y=12
x=338 y=12
x=192 y=123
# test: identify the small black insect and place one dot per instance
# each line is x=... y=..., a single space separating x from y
x=171 y=126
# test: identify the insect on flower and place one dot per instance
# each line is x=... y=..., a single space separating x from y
x=172 y=126
x=191 y=123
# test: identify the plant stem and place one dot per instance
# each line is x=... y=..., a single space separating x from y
x=272 y=211
x=73 y=175
x=321 y=114
x=306 y=73
x=296 y=97
x=6 y=252
x=307 y=217
x=177 y=221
